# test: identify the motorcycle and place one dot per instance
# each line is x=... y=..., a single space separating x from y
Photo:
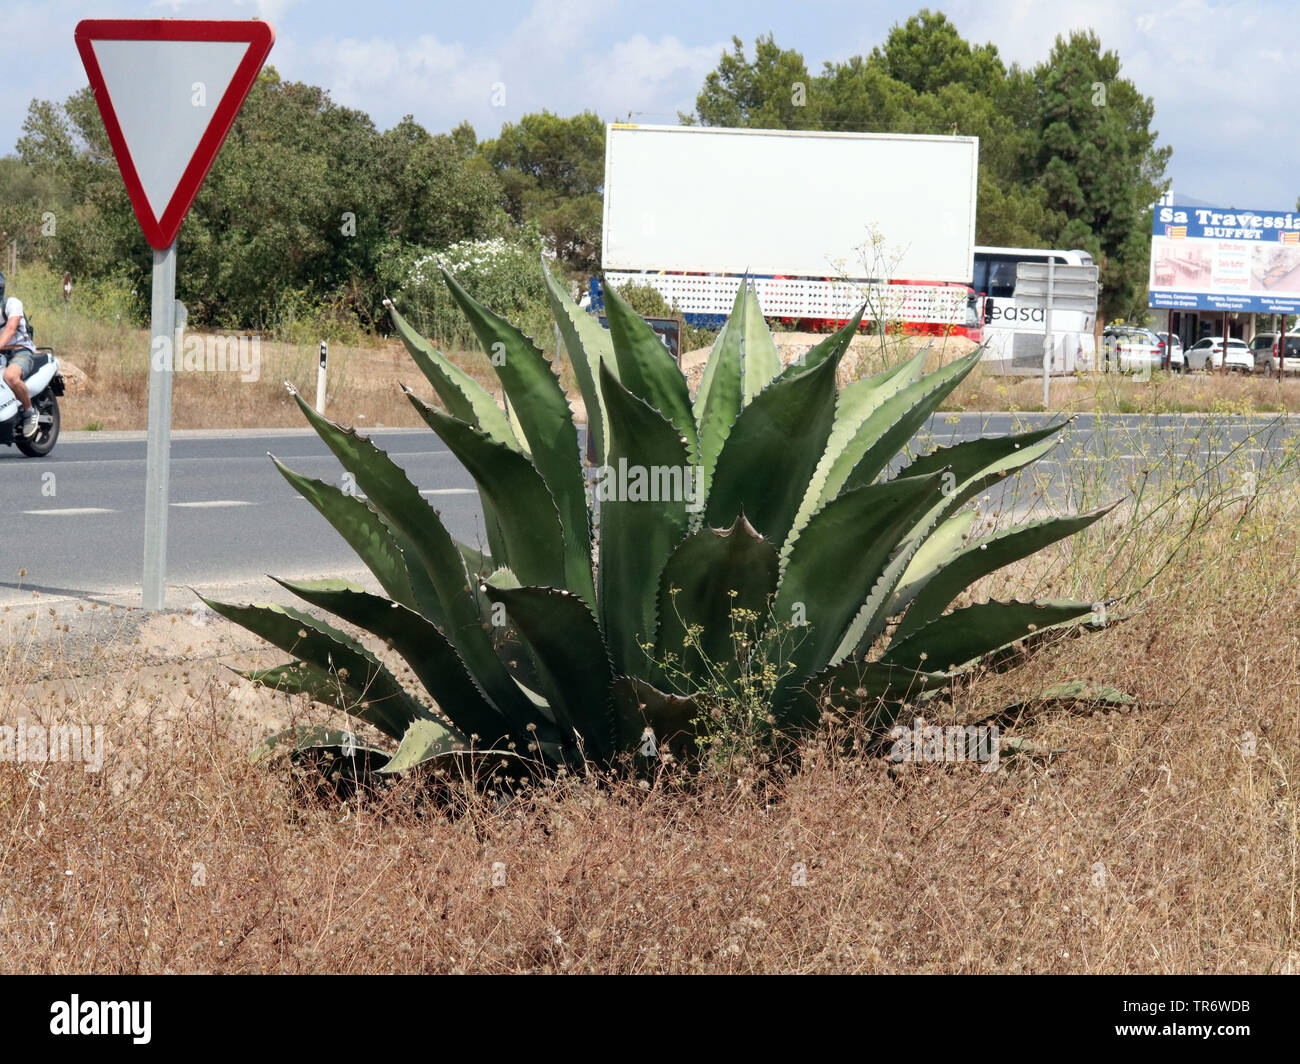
x=45 y=385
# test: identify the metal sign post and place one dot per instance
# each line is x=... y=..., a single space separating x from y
x=1049 y=286
x=162 y=354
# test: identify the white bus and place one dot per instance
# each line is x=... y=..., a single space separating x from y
x=1015 y=334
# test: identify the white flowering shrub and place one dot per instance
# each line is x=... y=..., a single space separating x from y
x=499 y=272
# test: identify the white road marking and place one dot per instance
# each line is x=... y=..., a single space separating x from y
x=212 y=503
x=73 y=511
x=449 y=491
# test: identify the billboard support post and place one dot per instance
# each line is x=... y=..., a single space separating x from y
x=1047 y=335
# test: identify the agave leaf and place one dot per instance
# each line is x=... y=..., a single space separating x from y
x=718 y=401
x=424 y=648
x=930 y=557
x=711 y=574
x=381 y=699
x=424 y=740
x=409 y=515
x=871 y=691
x=588 y=343
x=538 y=401
x=873 y=617
x=834 y=346
x=315 y=737
x=759 y=361
x=364 y=531
x=639 y=705
x=460 y=393
x=885 y=431
x=530 y=524
x=301 y=678
x=934 y=589
x=476 y=562
x=854 y=405
x=975 y=464
x=837 y=561
x=647 y=369
x=961 y=638
x=636 y=538
x=771 y=452
x=560 y=632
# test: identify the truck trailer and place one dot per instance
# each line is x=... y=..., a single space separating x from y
x=820 y=222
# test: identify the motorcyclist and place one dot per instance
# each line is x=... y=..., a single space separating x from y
x=17 y=356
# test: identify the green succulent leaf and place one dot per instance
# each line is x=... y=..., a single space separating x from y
x=379 y=699
x=772 y=451
x=561 y=634
x=838 y=560
x=410 y=516
x=846 y=443
x=639 y=705
x=940 y=585
x=460 y=393
x=530 y=524
x=870 y=691
x=712 y=574
x=424 y=741
x=961 y=638
x=647 y=369
x=315 y=737
x=718 y=401
x=365 y=532
x=538 y=401
x=424 y=648
x=834 y=346
x=588 y=344
x=885 y=431
x=636 y=536
x=760 y=363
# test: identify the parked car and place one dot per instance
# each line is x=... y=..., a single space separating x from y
x=1261 y=349
x=1129 y=349
x=1174 y=345
x=1207 y=354
x=1292 y=354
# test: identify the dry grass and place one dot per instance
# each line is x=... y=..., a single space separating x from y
x=1157 y=843
x=362 y=386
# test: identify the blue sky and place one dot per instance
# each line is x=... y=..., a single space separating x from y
x=1222 y=74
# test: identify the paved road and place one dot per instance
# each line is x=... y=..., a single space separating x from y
x=74 y=520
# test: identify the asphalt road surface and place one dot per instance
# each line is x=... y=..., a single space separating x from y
x=74 y=520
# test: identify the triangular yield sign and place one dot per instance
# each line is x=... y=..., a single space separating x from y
x=168 y=91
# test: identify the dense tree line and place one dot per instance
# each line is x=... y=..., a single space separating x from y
x=1068 y=157
x=310 y=203
x=307 y=201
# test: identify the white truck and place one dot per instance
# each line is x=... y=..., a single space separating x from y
x=819 y=221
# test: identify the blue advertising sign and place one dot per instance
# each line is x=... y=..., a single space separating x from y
x=1225 y=259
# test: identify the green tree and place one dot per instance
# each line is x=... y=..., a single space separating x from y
x=552 y=173
x=1098 y=162
x=775 y=91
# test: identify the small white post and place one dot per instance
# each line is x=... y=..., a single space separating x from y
x=320 y=378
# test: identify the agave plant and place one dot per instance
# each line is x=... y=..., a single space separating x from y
x=771 y=490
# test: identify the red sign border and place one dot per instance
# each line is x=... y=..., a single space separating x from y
x=161 y=232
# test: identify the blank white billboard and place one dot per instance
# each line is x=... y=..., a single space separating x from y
x=789 y=203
